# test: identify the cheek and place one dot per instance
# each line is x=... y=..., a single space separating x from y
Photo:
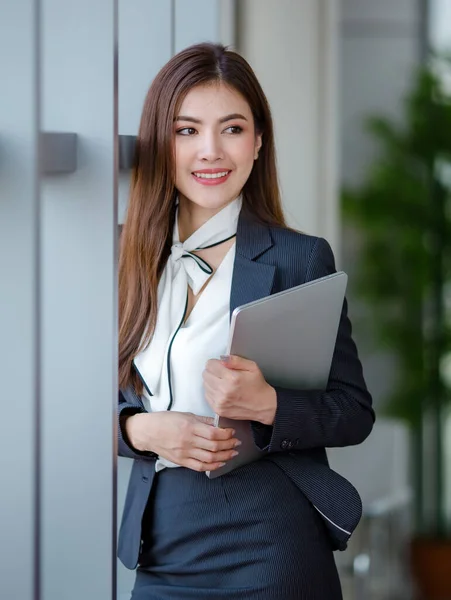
x=180 y=156
x=244 y=155
x=182 y=162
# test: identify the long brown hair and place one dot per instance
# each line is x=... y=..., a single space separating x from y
x=147 y=232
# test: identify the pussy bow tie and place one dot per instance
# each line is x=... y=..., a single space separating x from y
x=183 y=268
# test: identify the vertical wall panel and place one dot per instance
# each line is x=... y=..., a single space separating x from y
x=196 y=21
x=18 y=297
x=145 y=42
x=204 y=21
x=79 y=318
x=144 y=47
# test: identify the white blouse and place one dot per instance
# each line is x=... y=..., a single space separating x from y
x=203 y=336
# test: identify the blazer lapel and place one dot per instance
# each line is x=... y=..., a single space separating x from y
x=251 y=280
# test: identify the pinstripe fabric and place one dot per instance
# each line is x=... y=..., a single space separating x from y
x=225 y=539
x=269 y=260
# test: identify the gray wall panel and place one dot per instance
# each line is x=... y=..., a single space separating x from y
x=196 y=21
x=18 y=296
x=440 y=25
x=79 y=318
x=144 y=46
x=382 y=10
x=376 y=75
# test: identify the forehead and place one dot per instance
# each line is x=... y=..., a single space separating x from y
x=214 y=100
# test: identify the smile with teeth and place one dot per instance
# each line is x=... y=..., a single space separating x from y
x=211 y=175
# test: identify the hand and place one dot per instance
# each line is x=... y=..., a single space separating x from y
x=185 y=439
x=235 y=388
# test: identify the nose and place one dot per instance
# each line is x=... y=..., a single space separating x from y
x=211 y=148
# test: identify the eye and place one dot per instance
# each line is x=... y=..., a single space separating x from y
x=186 y=131
x=234 y=129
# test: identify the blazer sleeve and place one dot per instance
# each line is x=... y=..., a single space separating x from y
x=129 y=404
x=342 y=415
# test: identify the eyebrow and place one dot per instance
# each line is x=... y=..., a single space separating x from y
x=221 y=120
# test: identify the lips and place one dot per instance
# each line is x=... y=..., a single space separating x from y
x=211 y=176
x=211 y=173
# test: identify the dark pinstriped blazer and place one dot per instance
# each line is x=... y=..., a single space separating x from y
x=269 y=260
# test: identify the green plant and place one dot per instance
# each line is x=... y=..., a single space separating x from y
x=403 y=213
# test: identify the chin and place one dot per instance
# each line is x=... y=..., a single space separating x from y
x=210 y=200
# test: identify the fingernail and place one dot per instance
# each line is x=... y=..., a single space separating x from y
x=225 y=358
x=235 y=453
x=238 y=443
x=221 y=464
x=233 y=432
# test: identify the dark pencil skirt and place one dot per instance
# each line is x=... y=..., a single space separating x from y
x=248 y=535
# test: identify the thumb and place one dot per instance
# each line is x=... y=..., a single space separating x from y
x=237 y=362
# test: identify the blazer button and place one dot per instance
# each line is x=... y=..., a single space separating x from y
x=285 y=444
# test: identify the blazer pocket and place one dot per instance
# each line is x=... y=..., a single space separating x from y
x=335 y=499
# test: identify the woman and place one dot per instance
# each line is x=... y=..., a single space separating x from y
x=205 y=233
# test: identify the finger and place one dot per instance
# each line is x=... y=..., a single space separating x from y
x=237 y=363
x=197 y=465
x=220 y=388
x=215 y=367
x=212 y=457
x=210 y=432
x=210 y=392
x=216 y=445
x=212 y=379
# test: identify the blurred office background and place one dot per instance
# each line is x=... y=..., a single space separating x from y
x=73 y=80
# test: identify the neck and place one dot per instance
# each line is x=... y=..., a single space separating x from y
x=191 y=217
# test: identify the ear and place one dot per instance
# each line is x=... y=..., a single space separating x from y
x=258 y=144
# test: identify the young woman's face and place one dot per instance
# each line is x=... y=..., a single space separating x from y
x=215 y=146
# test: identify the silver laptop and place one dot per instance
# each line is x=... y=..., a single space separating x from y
x=291 y=336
